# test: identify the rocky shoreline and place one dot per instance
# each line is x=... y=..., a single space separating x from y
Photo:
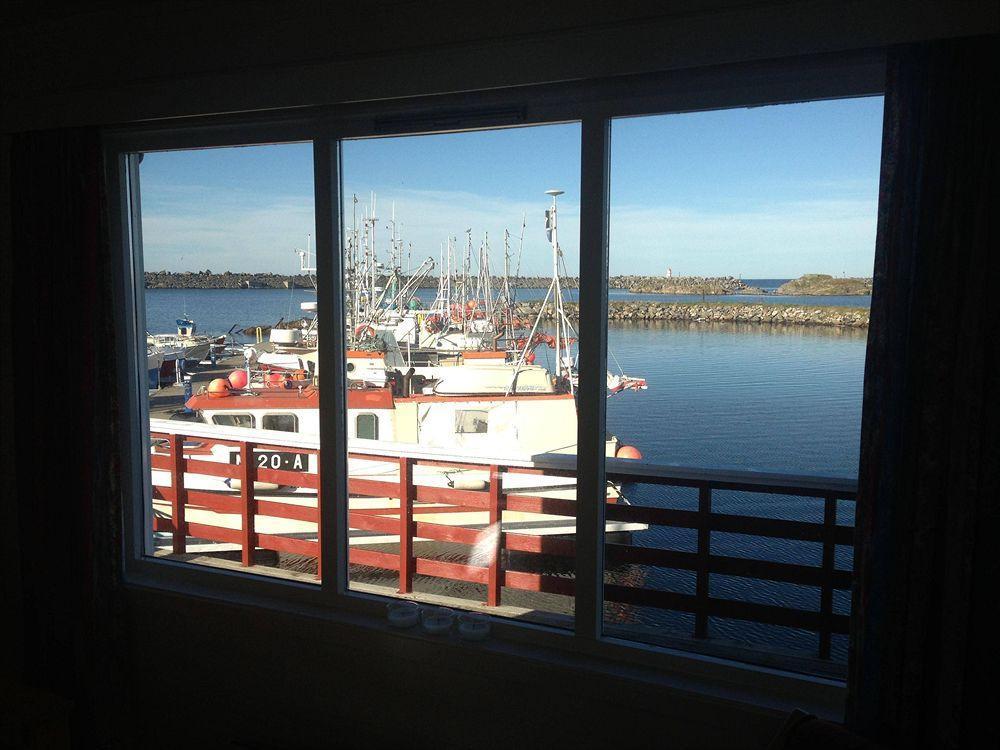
x=687 y=312
x=714 y=286
x=720 y=312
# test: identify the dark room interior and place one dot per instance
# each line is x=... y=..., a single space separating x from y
x=105 y=647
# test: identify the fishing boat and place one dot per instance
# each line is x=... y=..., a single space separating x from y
x=192 y=346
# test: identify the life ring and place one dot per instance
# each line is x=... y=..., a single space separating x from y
x=364 y=331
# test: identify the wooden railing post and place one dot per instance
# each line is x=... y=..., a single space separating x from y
x=248 y=474
x=826 y=590
x=704 y=552
x=180 y=494
x=405 y=525
x=495 y=576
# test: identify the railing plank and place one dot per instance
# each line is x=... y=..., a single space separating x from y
x=548 y=505
x=540 y=544
x=517 y=579
x=455 y=571
x=763 y=613
x=373 y=559
x=211 y=468
x=293 y=545
x=288 y=478
x=367 y=522
x=443 y=533
x=744 y=567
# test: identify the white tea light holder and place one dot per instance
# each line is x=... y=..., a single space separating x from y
x=437 y=620
x=402 y=614
x=473 y=627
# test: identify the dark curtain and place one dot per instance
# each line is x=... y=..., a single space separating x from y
x=923 y=646
x=62 y=431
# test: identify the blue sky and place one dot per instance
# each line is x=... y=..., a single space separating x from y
x=769 y=192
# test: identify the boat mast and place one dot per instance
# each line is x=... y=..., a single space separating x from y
x=562 y=338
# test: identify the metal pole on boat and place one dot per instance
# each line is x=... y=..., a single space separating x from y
x=552 y=226
x=187 y=394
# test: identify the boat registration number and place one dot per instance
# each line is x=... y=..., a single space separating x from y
x=281 y=460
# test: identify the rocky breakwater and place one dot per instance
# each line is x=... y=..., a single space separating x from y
x=705 y=285
x=718 y=312
x=227 y=280
x=824 y=284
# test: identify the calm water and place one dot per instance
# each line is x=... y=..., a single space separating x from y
x=768 y=398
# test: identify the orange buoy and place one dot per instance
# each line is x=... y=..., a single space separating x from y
x=218 y=388
x=530 y=358
x=274 y=380
x=628 y=451
x=238 y=379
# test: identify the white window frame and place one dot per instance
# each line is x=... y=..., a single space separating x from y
x=593 y=104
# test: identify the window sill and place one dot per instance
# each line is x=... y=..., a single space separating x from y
x=691 y=679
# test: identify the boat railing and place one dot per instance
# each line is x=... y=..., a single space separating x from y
x=408 y=509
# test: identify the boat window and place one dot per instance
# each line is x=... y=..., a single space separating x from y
x=283 y=422
x=366 y=426
x=234 y=420
x=471 y=421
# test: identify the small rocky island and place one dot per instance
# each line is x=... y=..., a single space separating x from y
x=821 y=284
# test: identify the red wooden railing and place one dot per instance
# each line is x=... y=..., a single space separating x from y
x=422 y=500
x=170 y=456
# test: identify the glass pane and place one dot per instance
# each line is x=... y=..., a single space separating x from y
x=229 y=309
x=741 y=252
x=460 y=286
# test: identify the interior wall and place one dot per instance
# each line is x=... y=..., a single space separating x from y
x=226 y=673
x=105 y=63
x=223 y=673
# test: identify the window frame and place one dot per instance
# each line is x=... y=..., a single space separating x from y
x=253 y=420
x=460 y=416
x=591 y=103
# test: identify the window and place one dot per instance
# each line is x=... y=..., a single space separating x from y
x=282 y=422
x=467 y=312
x=471 y=421
x=460 y=263
x=741 y=253
x=234 y=420
x=227 y=300
x=366 y=426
